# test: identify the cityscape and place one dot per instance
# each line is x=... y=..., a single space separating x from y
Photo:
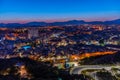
x=66 y=47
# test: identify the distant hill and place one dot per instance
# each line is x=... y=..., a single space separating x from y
x=71 y=22
x=36 y=24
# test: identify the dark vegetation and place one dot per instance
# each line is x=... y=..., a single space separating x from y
x=38 y=70
x=105 y=76
x=104 y=59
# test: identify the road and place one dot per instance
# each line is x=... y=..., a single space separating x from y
x=113 y=48
x=79 y=69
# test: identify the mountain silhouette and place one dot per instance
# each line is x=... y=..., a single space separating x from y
x=70 y=22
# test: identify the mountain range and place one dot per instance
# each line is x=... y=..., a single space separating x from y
x=70 y=22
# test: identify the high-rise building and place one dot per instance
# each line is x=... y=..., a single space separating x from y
x=33 y=32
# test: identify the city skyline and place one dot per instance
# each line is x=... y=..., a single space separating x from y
x=59 y=40
x=58 y=10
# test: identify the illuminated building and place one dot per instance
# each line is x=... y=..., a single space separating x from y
x=32 y=32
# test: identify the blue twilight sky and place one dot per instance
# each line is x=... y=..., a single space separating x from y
x=58 y=10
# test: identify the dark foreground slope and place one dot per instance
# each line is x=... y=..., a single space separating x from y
x=104 y=59
x=36 y=70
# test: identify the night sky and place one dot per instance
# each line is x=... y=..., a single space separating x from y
x=58 y=10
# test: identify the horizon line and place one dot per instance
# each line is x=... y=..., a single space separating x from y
x=52 y=21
